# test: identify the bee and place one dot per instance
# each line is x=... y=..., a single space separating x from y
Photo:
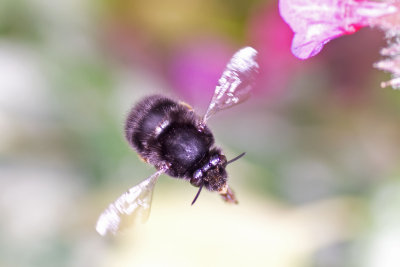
x=172 y=137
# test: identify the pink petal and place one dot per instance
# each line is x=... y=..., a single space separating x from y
x=316 y=22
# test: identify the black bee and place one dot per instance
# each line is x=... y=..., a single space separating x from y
x=173 y=138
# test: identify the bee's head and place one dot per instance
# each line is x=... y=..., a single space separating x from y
x=213 y=174
x=215 y=177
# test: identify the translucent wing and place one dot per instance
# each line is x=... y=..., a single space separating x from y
x=134 y=203
x=236 y=81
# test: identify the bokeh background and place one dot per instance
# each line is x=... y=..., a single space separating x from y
x=318 y=187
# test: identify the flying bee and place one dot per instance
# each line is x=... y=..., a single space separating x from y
x=172 y=137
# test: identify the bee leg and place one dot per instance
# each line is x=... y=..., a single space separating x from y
x=228 y=195
x=186 y=105
x=145 y=160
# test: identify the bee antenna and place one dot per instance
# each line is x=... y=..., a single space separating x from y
x=198 y=193
x=236 y=158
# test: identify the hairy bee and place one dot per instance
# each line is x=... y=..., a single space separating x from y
x=172 y=137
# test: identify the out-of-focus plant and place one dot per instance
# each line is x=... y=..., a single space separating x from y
x=316 y=22
x=272 y=37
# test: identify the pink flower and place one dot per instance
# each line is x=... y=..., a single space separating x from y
x=316 y=22
x=391 y=63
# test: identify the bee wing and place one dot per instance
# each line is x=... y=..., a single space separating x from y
x=134 y=203
x=236 y=81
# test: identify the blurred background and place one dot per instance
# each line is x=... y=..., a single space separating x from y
x=318 y=187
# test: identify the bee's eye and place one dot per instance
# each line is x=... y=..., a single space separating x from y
x=197 y=178
x=198 y=174
x=196 y=181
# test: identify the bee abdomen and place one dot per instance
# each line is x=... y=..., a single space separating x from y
x=144 y=119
